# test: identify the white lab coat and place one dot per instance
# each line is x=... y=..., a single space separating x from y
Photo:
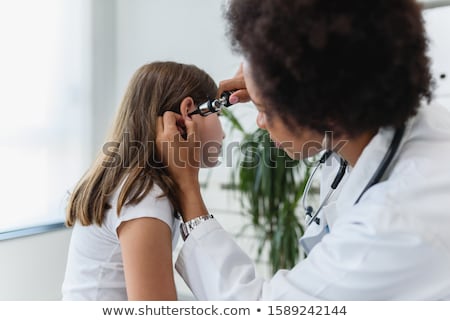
x=393 y=245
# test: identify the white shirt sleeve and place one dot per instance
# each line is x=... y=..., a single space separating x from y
x=349 y=264
x=152 y=206
x=216 y=268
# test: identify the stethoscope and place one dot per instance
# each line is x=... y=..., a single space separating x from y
x=312 y=216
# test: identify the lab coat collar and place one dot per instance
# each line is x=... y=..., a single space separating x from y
x=366 y=166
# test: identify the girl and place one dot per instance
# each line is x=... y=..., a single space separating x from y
x=124 y=209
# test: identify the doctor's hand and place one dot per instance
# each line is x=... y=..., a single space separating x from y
x=178 y=146
x=237 y=86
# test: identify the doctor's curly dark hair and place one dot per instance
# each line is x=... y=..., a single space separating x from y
x=348 y=65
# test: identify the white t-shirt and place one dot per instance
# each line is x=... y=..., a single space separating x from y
x=94 y=266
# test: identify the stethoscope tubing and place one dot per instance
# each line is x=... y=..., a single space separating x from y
x=334 y=185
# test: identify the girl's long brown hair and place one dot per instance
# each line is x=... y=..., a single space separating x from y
x=129 y=156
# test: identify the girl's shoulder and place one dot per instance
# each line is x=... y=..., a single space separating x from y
x=153 y=205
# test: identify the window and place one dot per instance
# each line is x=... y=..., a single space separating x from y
x=44 y=101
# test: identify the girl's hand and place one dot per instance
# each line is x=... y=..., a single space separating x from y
x=179 y=147
x=237 y=86
x=182 y=158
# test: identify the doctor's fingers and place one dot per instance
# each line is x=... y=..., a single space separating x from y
x=238 y=95
x=237 y=86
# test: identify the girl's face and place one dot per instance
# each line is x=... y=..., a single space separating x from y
x=211 y=137
x=298 y=143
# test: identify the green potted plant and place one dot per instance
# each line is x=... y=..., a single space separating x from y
x=270 y=187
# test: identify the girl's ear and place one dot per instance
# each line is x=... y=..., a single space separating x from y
x=187 y=105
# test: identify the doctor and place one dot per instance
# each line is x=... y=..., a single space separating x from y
x=359 y=70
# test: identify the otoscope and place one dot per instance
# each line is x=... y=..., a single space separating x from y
x=213 y=106
x=207 y=108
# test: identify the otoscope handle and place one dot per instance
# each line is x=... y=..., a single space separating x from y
x=226 y=98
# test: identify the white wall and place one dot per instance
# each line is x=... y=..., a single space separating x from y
x=32 y=268
x=185 y=31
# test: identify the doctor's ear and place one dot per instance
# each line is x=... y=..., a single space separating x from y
x=187 y=105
